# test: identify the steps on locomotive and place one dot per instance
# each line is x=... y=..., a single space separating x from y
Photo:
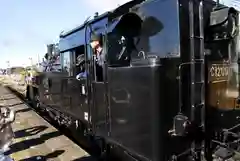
x=35 y=138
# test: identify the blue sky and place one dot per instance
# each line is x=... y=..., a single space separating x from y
x=28 y=25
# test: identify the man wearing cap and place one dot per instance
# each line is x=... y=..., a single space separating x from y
x=80 y=64
x=96 y=44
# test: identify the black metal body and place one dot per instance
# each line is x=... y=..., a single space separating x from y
x=157 y=101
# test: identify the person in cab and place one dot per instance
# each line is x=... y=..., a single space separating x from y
x=80 y=66
x=96 y=45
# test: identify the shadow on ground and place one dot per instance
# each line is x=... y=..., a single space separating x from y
x=52 y=155
x=30 y=131
x=4 y=99
x=16 y=104
x=23 y=110
x=15 y=92
x=88 y=158
x=31 y=142
x=92 y=158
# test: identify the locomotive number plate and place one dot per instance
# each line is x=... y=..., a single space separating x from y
x=219 y=72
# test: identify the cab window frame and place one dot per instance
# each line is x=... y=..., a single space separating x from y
x=153 y=37
x=74 y=58
x=69 y=63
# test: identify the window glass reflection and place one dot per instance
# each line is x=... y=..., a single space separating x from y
x=143 y=33
x=66 y=61
x=160 y=36
x=233 y=83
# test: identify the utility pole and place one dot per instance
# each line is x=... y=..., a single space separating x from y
x=8 y=64
x=38 y=60
x=8 y=67
x=31 y=63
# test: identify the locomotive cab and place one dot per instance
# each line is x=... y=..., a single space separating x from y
x=169 y=86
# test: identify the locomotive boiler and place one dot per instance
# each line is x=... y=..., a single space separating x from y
x=170 y=87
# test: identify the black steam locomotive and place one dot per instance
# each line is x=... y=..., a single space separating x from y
x=169 y=87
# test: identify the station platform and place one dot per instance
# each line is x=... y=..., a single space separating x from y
x=35 y=138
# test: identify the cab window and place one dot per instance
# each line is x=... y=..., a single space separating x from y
x=79 y=63
x=136 y=37
x=66 y=65
x=121 y=40
x=55 y=64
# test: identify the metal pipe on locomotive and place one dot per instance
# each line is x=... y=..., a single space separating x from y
x=170 y=87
